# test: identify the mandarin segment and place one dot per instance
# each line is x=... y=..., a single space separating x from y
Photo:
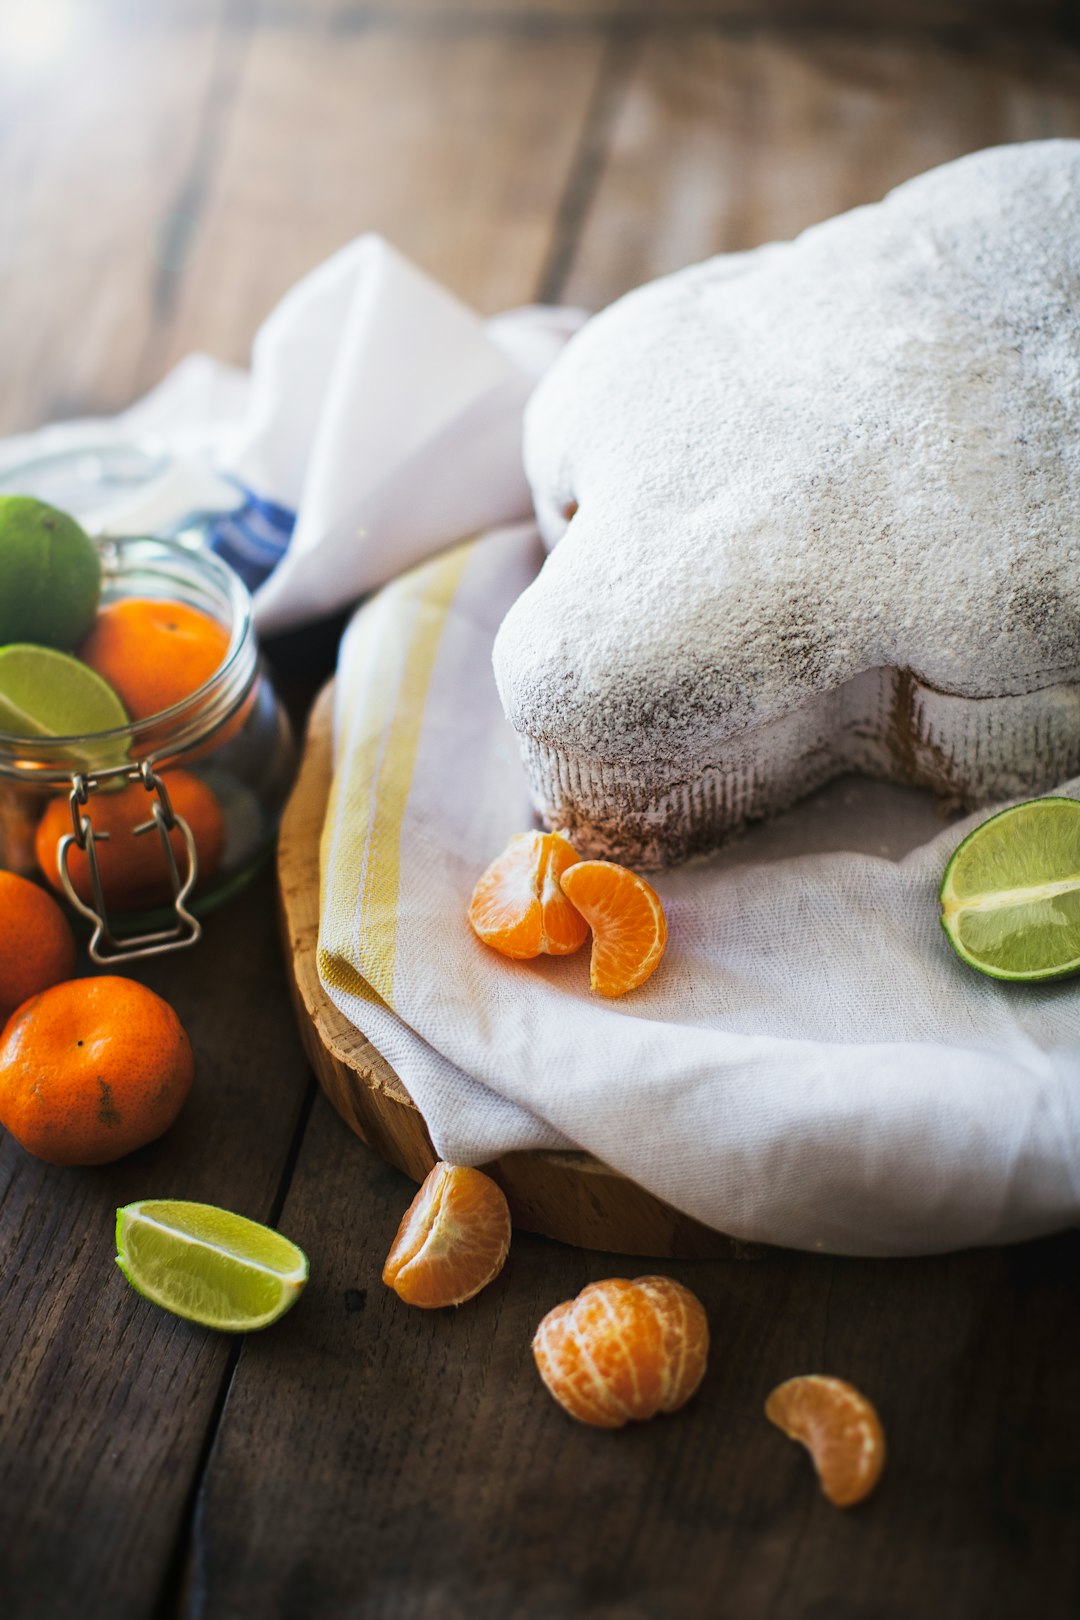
x=685 y=1331
x=453 y=1239
x=37 y=947
x=570 y=1373
x=627 y=921
x=92 y=1069
x=518 y=907
x=840 y=1429
x=623 y=1351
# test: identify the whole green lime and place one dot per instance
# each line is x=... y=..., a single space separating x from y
x=50 y=575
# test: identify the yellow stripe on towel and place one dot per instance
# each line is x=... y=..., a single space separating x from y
x=380 y=725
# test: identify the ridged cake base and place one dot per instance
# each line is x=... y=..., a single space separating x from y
x=883 y=723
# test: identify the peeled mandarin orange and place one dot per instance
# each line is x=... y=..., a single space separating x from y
x=154 y=653
x=840 y=1429
x=37 y=947
x=518 y=906
x=92 y=1069
x=134 y=871
x=623 y=1351
x=452 y=1241
x=627 y=921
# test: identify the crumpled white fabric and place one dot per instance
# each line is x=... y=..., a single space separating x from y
x=379 y=408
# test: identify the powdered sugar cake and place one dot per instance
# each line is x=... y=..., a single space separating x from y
x=817 y=509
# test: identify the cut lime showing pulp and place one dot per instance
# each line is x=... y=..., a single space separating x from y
x=207 y=1264
x=49 y=694
x=1010 y=897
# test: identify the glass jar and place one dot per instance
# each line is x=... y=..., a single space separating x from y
x=215 y=770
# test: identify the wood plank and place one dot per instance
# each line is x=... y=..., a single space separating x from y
x=105 y=1400
x=882 y=16
x=719 y=143
x=456 y=150
x=96 y=146
x=380 y=1461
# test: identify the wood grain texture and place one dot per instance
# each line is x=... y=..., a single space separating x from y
x=569 y=1196
x=105 y=1400
x=329 y=137
x=96 y=148
x=717 y=143
x=393 y=1464
x=882 y=16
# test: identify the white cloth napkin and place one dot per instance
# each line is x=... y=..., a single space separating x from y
x=379 y=410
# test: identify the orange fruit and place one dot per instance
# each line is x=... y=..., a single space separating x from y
x=518 y=907
x=37 y=947
x=623 y=1351
x=92 y=1069
x=840 y=1429
x=133 y=870
x=627 y=920
x=452 y=1241
x=154 y=653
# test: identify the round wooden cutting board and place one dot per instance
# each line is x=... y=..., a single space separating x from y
x=569 y=1196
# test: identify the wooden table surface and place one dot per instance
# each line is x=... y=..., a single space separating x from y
x=165 y=173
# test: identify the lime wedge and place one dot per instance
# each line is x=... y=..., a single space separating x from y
x=207 y=1264
x=50 y=694
x=1010 y=897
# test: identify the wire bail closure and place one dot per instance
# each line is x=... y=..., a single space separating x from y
x=105 y=946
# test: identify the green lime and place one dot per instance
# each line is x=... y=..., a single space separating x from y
x=50 y=574
x=1010 y=897
x=207 y=1264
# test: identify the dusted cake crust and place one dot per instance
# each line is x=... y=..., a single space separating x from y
x=883 y=723
x=826 y=516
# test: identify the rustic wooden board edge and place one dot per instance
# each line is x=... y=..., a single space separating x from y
x=571 y=1197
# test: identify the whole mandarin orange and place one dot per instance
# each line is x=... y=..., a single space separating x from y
x=154 y=653
x=37 y=947
x=134 y=873
x=623 y=1351
x=92 y=1069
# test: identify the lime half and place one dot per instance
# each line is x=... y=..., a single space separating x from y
x=207 y=1264
x=50 y=694
x=1010 y=897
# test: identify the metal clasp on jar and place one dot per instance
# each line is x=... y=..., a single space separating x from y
x=105 y=946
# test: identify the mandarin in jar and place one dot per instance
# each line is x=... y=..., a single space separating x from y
x=453 y=1239
x=92 y=1069
x=623 y=1351
x=134 y=872
x=154 y=653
